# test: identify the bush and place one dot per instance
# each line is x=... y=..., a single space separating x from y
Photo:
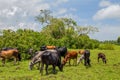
x=106 y=46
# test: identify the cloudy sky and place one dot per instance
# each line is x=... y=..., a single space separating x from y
x=103 y=14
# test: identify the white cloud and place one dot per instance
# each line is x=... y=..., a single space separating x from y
x=110 y=12
x=105 y=3
x=62 y=11
x=69 y=15
x=32 y=7
x=10 y=11
x=61 y=1
x=58 y=2
x=14 y=12
x=73 y=9
x=106 y=32
x=32 y=26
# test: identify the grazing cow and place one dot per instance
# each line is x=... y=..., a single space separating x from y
x=36 y=59
x=87 y=58
x=51 y=58
x=70 y=55
x=103 y=57
x=8 y=54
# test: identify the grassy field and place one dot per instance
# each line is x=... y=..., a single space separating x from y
x=98 y=71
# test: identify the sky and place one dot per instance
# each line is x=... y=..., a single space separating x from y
x=103 y=14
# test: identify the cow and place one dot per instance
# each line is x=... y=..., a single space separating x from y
x=103 y=57
x=50 y=58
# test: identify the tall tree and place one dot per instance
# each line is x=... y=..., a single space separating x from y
x=86 y=30
x=44 y=17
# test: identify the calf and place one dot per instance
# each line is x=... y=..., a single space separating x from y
x=103 y=57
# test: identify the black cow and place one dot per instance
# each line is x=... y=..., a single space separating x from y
x=51 y=58
x=62 y=50
x=87 y=58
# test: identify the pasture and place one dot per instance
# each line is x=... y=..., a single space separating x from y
x=97 y=71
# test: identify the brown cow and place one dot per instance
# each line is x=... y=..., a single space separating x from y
x=50 y=47
x=11 y=53
x=103 y=57
x=70 y=55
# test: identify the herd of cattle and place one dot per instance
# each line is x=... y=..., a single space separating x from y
x=50 y=55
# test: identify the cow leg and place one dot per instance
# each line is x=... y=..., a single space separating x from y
x=88 y=61
x=69 y=62
x=59 y=66
x=98 y=59
x=38 y=65
x=54 y=71
x=76 y=61
x=85 y=61
x=41 y=69
x=104 y=61
x=15 y=60
x=46 y=68
x=3 y=61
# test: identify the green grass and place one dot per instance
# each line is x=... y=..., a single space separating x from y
x=98 y=71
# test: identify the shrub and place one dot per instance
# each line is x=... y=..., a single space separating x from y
x=106 y=46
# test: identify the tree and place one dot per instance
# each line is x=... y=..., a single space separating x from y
x=118 y=40
x=65 y=31
x=44 y=17
x=86 y=30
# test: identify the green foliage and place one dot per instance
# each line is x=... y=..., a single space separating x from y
x=110 y=41
x=106 y=46
x=118 y=40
